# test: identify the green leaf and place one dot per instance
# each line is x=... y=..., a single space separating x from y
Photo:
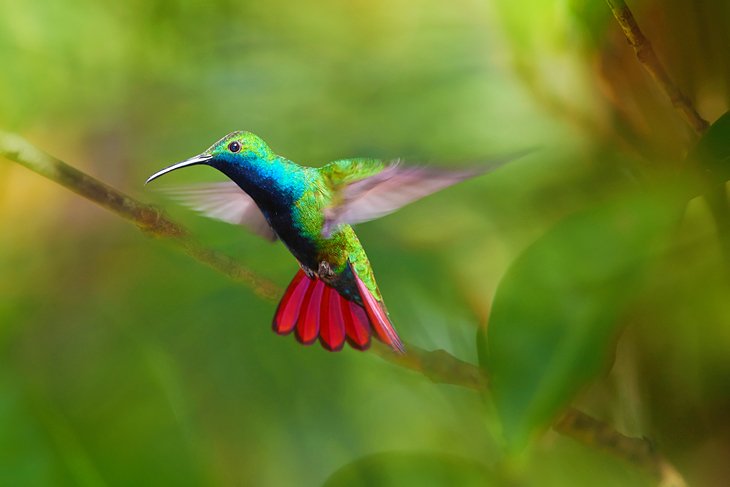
x=556 y=312
x=713 y=150
x=412 y=468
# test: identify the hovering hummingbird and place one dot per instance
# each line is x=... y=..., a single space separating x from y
x=334 y=296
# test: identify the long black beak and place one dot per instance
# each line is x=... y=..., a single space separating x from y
x=199 y=159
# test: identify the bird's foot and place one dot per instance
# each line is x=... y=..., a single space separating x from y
x=325 y=271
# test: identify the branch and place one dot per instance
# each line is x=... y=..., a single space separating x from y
x=716 y=197
x=439 y=366
x=148 y=218
x=648 y=58
x=638 y=451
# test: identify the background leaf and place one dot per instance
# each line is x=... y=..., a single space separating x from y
x=557 y=308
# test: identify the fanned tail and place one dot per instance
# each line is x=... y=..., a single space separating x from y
x=312 y=310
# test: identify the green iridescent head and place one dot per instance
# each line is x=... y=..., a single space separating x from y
x=240 y=144
x=235 y=149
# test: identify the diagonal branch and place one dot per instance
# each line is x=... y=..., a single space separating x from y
x=648 y=58
x=638 y=451
x=438 y=365
x=149 y=219
x=716 y=197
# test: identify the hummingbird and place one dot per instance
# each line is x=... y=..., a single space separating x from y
x=333 y=296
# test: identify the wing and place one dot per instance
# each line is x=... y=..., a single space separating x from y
x=385 y=188
x=224 y=201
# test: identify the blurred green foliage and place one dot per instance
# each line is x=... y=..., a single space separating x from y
x=540 y=351
x=122 y=362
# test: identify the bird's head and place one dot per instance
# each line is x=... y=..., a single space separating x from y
x=235 y=152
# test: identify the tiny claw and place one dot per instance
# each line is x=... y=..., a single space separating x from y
x=325 y=271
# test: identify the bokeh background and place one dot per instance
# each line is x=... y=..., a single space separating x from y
x=124 y=362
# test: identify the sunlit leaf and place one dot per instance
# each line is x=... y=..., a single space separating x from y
x=556 y=312
x=417 y=469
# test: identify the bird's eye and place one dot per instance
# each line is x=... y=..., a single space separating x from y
x=234 y=146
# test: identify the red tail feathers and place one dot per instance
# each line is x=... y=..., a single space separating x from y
x=313 y=309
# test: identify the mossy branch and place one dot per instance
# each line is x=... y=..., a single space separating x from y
x=439 y=366
x=717 y=196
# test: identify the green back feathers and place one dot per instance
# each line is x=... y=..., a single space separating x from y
x=345 y=171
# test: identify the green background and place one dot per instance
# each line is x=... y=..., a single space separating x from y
x=124 y=362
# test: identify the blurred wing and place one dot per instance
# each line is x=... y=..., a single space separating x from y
x=224 y=201
x=395 y=186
